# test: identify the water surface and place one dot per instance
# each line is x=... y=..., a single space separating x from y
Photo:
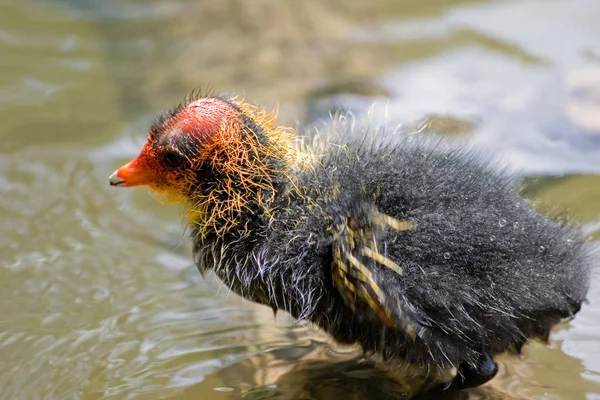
x=99 y=297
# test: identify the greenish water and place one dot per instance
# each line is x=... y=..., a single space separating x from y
x=99 y=298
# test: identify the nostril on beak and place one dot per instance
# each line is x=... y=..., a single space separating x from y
x=115 y=180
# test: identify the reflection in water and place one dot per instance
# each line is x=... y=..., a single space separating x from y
x=99 y=298
x=314 y=374
x=315 y=371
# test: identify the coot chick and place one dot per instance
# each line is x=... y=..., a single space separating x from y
x=422 y=253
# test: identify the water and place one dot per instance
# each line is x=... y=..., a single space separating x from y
x=99 y=297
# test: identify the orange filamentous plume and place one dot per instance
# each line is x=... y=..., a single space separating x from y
x=248 y=162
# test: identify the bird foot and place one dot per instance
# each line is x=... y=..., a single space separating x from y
x=468 y=376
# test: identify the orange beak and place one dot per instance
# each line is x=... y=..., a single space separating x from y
x=131 y=174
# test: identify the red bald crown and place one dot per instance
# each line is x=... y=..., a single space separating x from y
x=204 y=118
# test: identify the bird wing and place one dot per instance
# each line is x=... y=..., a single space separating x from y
x=359 y=265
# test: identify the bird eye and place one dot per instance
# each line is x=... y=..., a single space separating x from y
x=172 y=158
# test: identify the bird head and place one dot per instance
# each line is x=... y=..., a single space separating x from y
x=219 y=157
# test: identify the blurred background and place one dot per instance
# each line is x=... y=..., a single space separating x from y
x=99 y=298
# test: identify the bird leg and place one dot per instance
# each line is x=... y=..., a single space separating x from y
x=470 y=375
